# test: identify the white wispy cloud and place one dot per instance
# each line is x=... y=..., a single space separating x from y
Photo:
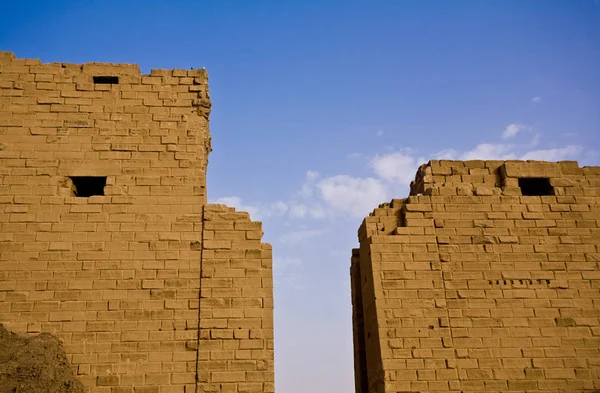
x=446 y=154
x=499 y=151
x=301 y=236
x=398 y=167
x=307 y=189
x=354 y=196
x=490 y=151
x=514 y=151
x=329 y=197
x=287 y=273
x=512 y=130
x=536 y=100
x=379 y=133
x=257 y=211
x=567 y=152
x=234 y=201
x=301 y=210
x=298 y=211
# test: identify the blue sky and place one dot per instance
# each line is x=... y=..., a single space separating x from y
x=324 y=109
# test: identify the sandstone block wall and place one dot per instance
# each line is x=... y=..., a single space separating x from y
x=117 y=276
x=236 y=341
x=468 y=285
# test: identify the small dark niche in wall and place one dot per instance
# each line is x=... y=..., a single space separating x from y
x=87 y=186
x=106 y=80
x=535 y=186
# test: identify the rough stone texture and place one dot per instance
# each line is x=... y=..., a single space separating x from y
x=469 y=286
x=34 y=365
x=117 y=276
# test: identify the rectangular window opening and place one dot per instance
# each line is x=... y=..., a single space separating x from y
x=535 y=186
x=106 y=80
x=87 y=186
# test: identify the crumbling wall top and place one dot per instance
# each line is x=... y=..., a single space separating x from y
x=9 y=59
x=494 y=177
x=177 y=87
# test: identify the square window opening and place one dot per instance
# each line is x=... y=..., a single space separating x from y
x=535 y=186
x=106 y=80
x=87 y=186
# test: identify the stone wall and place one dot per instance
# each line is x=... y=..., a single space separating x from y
x=468 y=285
x=117 y=275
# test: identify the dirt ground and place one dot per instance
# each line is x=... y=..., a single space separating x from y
x=34 y=365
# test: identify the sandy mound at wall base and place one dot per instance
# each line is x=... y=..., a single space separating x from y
x=34 y=365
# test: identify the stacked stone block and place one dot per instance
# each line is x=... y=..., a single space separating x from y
x=117 y=276
x=236 y=347
x=469 y=286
